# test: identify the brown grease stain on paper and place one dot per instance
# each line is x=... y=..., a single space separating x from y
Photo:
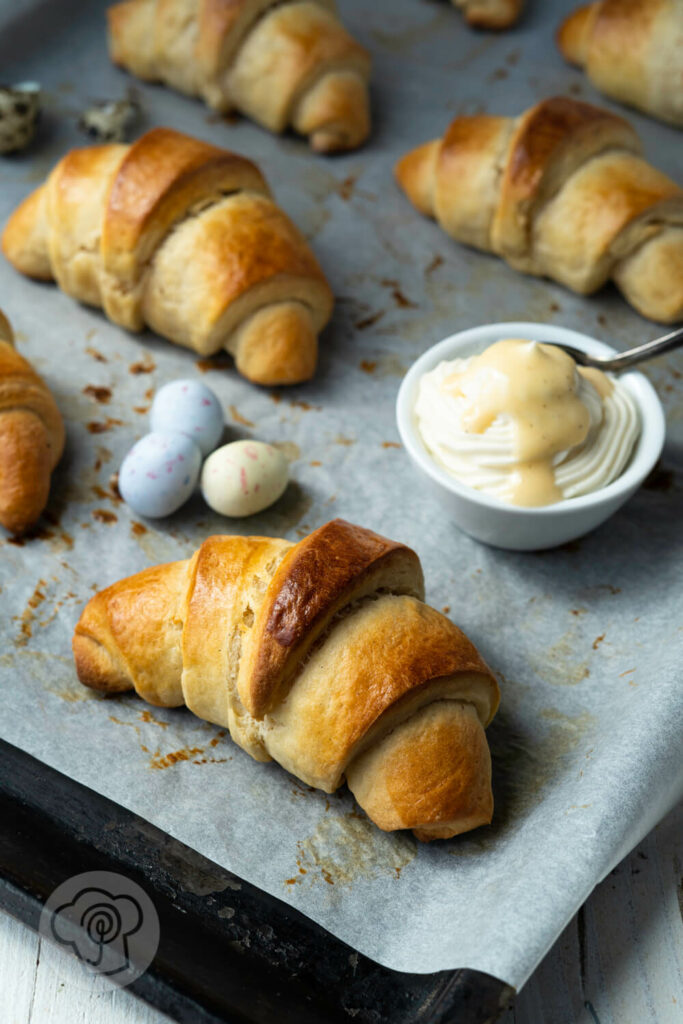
x=387 y=365
x=558 y=665
x=221 y=361
x=144 y=365
x=104 y=455
x=58 y=541
x=102 y=426
x=289 y=449
x=368 y=321
x=159 y=761
x=102 y=515
x=239 y=418
x=348 y=847
x=96 y=355
x=148 y=717
x=28 y=615
x=76 y=694
x=113 y=494
x=300 y=403
x=99 y=393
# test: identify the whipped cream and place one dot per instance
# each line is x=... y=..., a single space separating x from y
x=523 y=423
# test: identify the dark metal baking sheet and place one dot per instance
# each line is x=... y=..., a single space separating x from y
x=228 y=952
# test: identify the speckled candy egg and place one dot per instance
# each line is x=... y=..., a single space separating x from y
x=244 y=477
x=159 y=473
x=191 y=408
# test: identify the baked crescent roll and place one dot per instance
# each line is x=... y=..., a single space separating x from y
x=320 y=655
x=284 y=64
x=631 y=50
x=561 y=191
x=31 y=437
x=492 y=14
x=185 y=238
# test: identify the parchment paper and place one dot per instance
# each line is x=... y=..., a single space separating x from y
x=587 y=640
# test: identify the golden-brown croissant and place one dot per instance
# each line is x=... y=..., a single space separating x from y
x=183 y=237
x=31 y=437
x=320 y=655
x=492 y=14
x=631 y=50
x=281 y=62
x=561 y=191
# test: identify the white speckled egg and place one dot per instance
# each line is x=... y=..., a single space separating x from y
x=188 y=407
x=244 y=477
x=159 y=473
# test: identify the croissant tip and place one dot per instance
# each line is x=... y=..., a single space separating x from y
x=492 y=17
x=327 y=140
x=570 y=35
x=277 y=345
x=431 y=833
x=95 y=667
x=414 y=173
x=16 y=528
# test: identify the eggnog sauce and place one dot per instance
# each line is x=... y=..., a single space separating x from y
x=536 y=387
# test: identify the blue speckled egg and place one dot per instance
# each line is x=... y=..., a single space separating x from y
x=191 y=408
x=159 y=473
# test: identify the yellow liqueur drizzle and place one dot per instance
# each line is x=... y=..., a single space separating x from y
x=536 y=387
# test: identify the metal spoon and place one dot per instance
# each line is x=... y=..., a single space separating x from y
x=613 y=364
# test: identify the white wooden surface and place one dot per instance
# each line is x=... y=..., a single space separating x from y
x=620 y=961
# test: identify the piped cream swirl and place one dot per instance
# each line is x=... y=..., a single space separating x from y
x=521 y=422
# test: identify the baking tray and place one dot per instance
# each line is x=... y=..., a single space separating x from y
x=427 y=68
x=267 y=963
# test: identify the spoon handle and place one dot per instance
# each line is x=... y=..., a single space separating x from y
x=647 y=351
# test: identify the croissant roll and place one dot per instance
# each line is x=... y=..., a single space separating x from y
x=320 y=655
x=631 y=50
x=561 y=191
x=31 y=437
x=283 y=64
x=491 y=14
x=185 y=238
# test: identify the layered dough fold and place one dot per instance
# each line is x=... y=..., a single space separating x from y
x=183 y=237
x=561 y=191
x=283 y=64
x=631 y=50
x=320 y=655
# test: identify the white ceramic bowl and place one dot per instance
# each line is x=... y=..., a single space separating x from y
x=509 y=526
